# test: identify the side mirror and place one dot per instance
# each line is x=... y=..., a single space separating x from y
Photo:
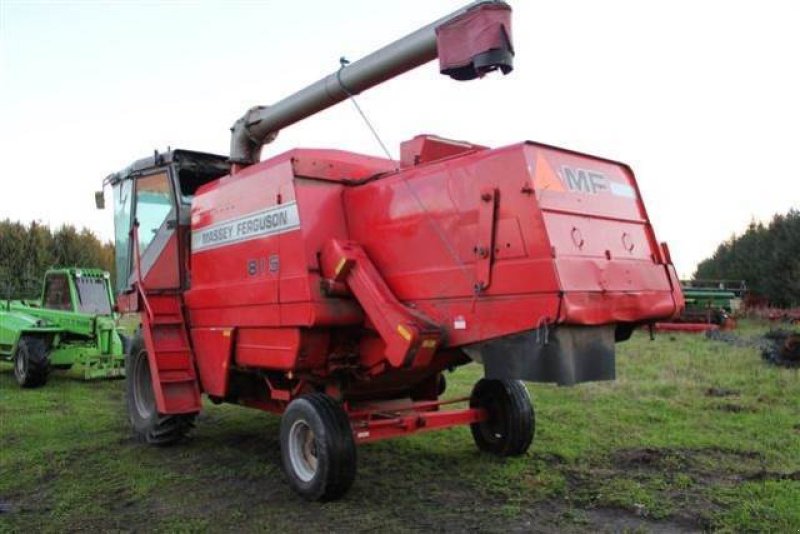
x=100 y=200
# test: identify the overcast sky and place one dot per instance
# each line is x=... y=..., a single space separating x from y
x=701 y=98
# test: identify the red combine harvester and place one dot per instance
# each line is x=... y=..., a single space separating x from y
x=335 y=288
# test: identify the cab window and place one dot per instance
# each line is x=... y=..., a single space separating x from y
x=153 y=206
x=56 y=293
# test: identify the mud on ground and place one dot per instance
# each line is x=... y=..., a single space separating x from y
x=694 y=435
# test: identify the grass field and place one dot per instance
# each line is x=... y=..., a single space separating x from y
x=694 y=435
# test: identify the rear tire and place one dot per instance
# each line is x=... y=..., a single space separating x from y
x=317 y=447
x=509 y=429
x=31 y=362
x=149 y=425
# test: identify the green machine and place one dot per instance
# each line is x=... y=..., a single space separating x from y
x=73 y=323
x=712 y=301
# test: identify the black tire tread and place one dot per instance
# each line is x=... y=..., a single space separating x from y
x=342 y=454
x=344 y=460
x=519 y=420
x=169 y=429
x=524 y=427
x=159 y=430
x=38 y=364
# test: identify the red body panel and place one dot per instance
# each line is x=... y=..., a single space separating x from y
x=484 y=243
x=275 y=348
x=165 y=271
x=212 y=348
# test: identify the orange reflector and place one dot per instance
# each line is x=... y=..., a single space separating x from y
x=404 y=332
x=340 y=266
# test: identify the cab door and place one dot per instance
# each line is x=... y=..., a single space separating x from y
x=156 y=213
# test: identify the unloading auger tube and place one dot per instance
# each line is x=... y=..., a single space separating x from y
x=469 y=42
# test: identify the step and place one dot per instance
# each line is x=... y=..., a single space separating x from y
x=165 y=304
x=169 y=364
x=166 y=320
x=185 y=350
x=169 y=339
x=176 y=379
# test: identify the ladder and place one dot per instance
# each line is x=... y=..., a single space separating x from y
x=170 y=355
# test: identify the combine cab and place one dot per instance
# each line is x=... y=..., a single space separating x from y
x=73 y=323
x=336 y=288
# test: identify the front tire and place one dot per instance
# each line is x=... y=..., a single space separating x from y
x=149 y=425
x=509 y=428
x=31 y=362
x=317 y=447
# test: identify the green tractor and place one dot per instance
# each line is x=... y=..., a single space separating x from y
x=73 y=323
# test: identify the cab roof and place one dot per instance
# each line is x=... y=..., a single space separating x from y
x=185 y=158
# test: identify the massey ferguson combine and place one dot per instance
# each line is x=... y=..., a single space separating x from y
x=336 y=288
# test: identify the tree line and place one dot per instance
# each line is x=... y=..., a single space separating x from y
x=27 y=251
x=766 y=257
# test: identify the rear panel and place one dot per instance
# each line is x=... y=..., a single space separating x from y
x=596 y=223
x=606 y=256
x=570 y=241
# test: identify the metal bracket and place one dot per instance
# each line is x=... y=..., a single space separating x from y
x=484 y=250
x=411 y=338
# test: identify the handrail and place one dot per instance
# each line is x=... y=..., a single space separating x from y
x=139 y=281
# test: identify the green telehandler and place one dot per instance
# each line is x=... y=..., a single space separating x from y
x=74 y=322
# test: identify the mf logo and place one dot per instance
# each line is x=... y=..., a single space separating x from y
x=584 y=181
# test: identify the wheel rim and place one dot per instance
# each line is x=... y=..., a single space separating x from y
x=303 y=450
x=143 y=397
x=20 y=367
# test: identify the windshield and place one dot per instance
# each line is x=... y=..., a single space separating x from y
x=93 y=296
